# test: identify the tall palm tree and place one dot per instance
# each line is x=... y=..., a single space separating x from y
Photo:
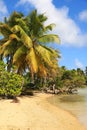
x=28 y=38
x=10 y=42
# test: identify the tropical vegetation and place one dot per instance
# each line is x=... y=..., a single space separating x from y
x=28 y=61
x=11 y=84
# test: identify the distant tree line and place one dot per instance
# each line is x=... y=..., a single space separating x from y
x=66 y=81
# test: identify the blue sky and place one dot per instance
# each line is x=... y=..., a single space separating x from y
x=70 y=17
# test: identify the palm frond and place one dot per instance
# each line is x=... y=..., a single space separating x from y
x=56 y=53
x=49 y=27
x=12 y=19
x=42 y=70
x=14 y=36
x=44 y=54
x=32 y=60
x=3 y=47
x=20 y=64
x=3 y=40
x=49 y=38
x=36 y=24
x=19 y=53
x=5 y=30
x=22 y=23
x=42 y=17
x=26 y=40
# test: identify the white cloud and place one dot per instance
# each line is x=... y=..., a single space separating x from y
x=69 y=32
x=78 y=64
x=83 y=15
x=3 y=10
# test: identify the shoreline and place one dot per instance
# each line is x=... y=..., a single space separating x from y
x=36 y=113
x=60 y=111
x=75 y=109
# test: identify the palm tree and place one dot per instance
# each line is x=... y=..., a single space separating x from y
x=10 y=42
x=25 y=43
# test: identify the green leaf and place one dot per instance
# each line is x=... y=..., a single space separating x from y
x=49 y=38
x=32 y=59
x=26 y=40
x=19 y=53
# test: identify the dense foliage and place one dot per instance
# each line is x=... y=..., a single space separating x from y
x=64 y=80
x=10 y=83
x=71 y=78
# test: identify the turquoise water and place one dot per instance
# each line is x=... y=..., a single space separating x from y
x=75 y=103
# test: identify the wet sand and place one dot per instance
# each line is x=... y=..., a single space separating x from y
x=35 y=113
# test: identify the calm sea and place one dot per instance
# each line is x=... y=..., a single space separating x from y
x=75 y=103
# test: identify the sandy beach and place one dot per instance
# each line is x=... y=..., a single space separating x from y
x=35 y=113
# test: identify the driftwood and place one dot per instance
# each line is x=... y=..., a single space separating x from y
x=53 y=90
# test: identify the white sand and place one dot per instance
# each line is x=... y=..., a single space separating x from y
x=35 y=113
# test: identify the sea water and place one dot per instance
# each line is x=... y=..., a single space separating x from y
x=75 y=103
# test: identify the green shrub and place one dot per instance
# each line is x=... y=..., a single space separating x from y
x=10 y=83
x=14 y=85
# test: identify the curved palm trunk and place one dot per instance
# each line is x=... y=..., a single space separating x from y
x=32 y=77
x=1 y=57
